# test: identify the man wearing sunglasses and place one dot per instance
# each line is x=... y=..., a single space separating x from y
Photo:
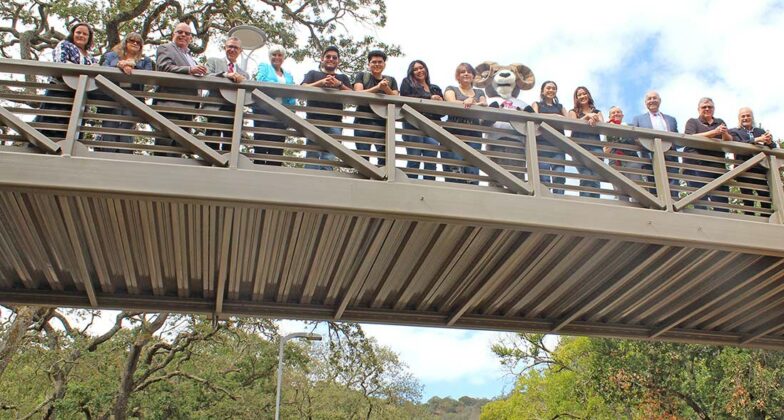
x=175 y=57
x=326 y=78
x=229 y=68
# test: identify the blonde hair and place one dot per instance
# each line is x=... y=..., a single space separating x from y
x=121 y=48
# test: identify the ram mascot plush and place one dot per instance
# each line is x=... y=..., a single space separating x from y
x=502 y=84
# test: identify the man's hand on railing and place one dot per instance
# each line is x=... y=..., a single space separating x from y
x=198 y=71
x=235 y=77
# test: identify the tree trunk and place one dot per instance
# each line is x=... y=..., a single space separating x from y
x=25 y=316
x=146 y=331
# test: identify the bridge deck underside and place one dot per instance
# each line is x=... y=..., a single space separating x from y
x=164 y=254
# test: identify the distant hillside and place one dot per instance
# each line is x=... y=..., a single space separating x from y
x=465 y=408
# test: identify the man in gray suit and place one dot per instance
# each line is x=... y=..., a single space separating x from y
x=224 y=67
x=655 y=120
x=175 y=57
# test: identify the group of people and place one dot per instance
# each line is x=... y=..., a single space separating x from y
x=176 y=57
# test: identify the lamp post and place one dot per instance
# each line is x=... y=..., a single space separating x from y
x=307 y=336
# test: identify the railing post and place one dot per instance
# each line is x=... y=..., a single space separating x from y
x=390 y=142
x=75 y=121
x=236 y=131
x=532 y=158
x=776 y=187
x=661 y=179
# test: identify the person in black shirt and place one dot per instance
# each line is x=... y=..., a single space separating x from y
x=711 y=128
x=417 y=85
x=747 y=133
x=373 y=81
x=326 y=78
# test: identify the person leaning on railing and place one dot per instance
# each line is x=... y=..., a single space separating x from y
x=327 y=78
x=126 y=56
x=747 y=133
x=74 y=49
x=175 y=57
x=373 y=81
x=272 y=72
x=548 y=104
x=227 y=67
x=469 y=96
x=417 y=85
x=656 y=120
x=616 y=117
x=585 y=110
x=705 y=125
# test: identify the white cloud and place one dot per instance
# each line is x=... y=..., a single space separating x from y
x=442 y=354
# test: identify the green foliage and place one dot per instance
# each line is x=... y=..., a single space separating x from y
x=451 y=409
x=304 y=28
x=604 y=378
x=552 y=383
x=188 y=368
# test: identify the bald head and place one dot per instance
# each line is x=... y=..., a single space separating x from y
x=652 y=101
x=182 y=35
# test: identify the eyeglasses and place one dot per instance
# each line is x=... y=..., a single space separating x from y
x=133 y=41
x=186 y=33
x=232 y=47
x=331 y=57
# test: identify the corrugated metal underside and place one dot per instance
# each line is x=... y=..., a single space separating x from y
x=161 y=254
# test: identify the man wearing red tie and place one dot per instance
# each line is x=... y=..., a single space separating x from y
x=224 y=67
x=656 y=120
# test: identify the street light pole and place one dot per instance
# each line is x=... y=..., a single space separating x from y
x=307 y=336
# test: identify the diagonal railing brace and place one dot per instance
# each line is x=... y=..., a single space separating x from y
x=716 y=183
x=29 y=133
x=312 y=132
x=184 y=138
x=597 y=165
x=471 y=155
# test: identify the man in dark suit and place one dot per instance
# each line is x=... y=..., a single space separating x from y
x=175 y=57
x=229 y=68
x=655 y=120
x=747 y=133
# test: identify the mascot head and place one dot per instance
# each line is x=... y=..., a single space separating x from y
x=503 y=81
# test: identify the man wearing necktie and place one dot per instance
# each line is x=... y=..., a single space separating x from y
x=224 y=67
x=175 y=57
x=654 y=119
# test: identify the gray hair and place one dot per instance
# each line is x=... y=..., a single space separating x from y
x=277 y=49
x=705 y=99
x=232 y=38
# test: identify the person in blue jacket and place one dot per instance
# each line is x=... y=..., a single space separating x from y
x=272 y=72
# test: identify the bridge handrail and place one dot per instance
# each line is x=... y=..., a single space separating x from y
x=536 y=139
x=155 y=78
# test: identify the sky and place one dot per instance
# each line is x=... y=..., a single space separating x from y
x=726 y=50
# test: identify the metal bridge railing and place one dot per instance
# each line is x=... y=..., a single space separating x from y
x=102 y=113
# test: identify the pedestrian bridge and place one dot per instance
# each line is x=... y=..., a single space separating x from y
x=655 y=253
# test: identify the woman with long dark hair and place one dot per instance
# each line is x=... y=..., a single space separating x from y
x=417 y=85
x=548 y=104
x=584 y=109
